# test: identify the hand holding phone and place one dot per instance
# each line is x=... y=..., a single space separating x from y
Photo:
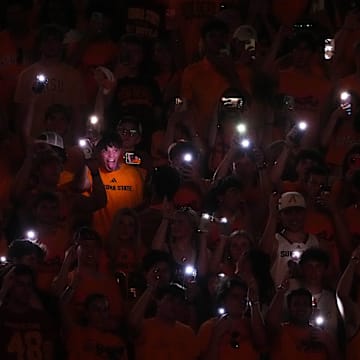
x=132 y=159
x=40 y=84
x=86 y=148
x=297 y=132
x=345 y=102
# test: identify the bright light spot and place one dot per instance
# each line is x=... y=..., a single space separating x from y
x=188 y=157
x=41 y=77
x=245 y=143
x=189 y=270
x=296 y=254
x=82 y=142
x=344 y=96
x=319 y=320
x=302 y=125
x=3 y=259
x=31 y=234
x=340 y=307
x=241 y=128
x=224 y=220
x=221 y=311
x=221 y=275
x=206 y=216
x=94 y=119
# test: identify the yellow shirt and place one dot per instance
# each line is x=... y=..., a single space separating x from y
x=124 y=189
x=161 y=341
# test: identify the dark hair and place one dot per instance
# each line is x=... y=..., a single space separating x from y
x=227 y=286
x=310 y=154
x=154 y=257
x=85 y=233
x=109 y=140
x=304 y=37
x=214 y=25
x=315 y=254
x=165 y=181
x=174 y=290
x=20 y=248
x=51 y=30
x=47 y=196
x=299 y=292
x=182 y=147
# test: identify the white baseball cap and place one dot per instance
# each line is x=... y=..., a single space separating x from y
x=291 y=199
x=51 y=138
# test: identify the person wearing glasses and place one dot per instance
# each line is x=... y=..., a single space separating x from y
x=130 y=131
x=239 y=333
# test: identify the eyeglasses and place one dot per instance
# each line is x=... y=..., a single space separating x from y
x=130 y=132
x=234 y=342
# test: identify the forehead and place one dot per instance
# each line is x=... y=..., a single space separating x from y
x=110 y=148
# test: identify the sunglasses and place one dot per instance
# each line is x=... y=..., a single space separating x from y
x=234 y=342
x=130 y=132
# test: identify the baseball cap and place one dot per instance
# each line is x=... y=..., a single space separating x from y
x=51 y=138
x=244 y=33
x=291 y=199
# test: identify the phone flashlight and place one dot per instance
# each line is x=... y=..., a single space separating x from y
x=3 y=259
x=94 y=119
x=224 y=220
x=344 y=96
x=221 y=311
x=190 y=270
x=296 y=255
x=41 y=78
x=241 y=128
x=302 y=125
x=31 y=235
x=221 y=275
x=188 y=157
x=245 y=143
x=82 y=143
x=205 y=216
x=319 y=320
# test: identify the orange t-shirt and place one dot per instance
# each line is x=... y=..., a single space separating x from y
x=294 y=343
x=99 y=284
x=124 y=189
x=161 y=341
x=246 y=349
x=288 y=12
x=203 y=86
x=310 y=92
x=92 y=344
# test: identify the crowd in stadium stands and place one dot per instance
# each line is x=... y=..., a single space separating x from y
x=179 y=179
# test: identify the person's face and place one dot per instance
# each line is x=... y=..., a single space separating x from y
x=133 y=53
x=21 y=290
x=239 y=245
x=236 y=301
x=232 y=199
x=88 y=253
x=127 y=226
x=215 y=41
x=47 y=212
x=304 y=166
x=50 y=172
x=162 y=272
x=300 y=309
x=130 y=136
x=58 y=123
x=315 y=184
x=244 y=166
x=313 y=272
x=293 y=219
x=181 y=227
x=98 y=313
x=162 y=55
x=302 y=56
x=169 y=307
x=30 y=260
x=110 y=158
x=51 y=47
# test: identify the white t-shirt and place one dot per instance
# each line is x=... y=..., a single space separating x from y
x=285 y=252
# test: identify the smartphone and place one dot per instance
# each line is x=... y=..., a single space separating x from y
x=233 y=103
x=224 y=227
x=298 y=131
x=40 y=83
x=329 y=49
x=205 y=222
x=190 y=273
x=86 y=147
x=345 y=102
x=288 y=102
x=132 y=159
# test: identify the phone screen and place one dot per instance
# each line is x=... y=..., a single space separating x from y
x=233 y=103
x=329 y=49
x=132 y=159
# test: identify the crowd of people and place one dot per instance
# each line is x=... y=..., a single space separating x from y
x=179 y=179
